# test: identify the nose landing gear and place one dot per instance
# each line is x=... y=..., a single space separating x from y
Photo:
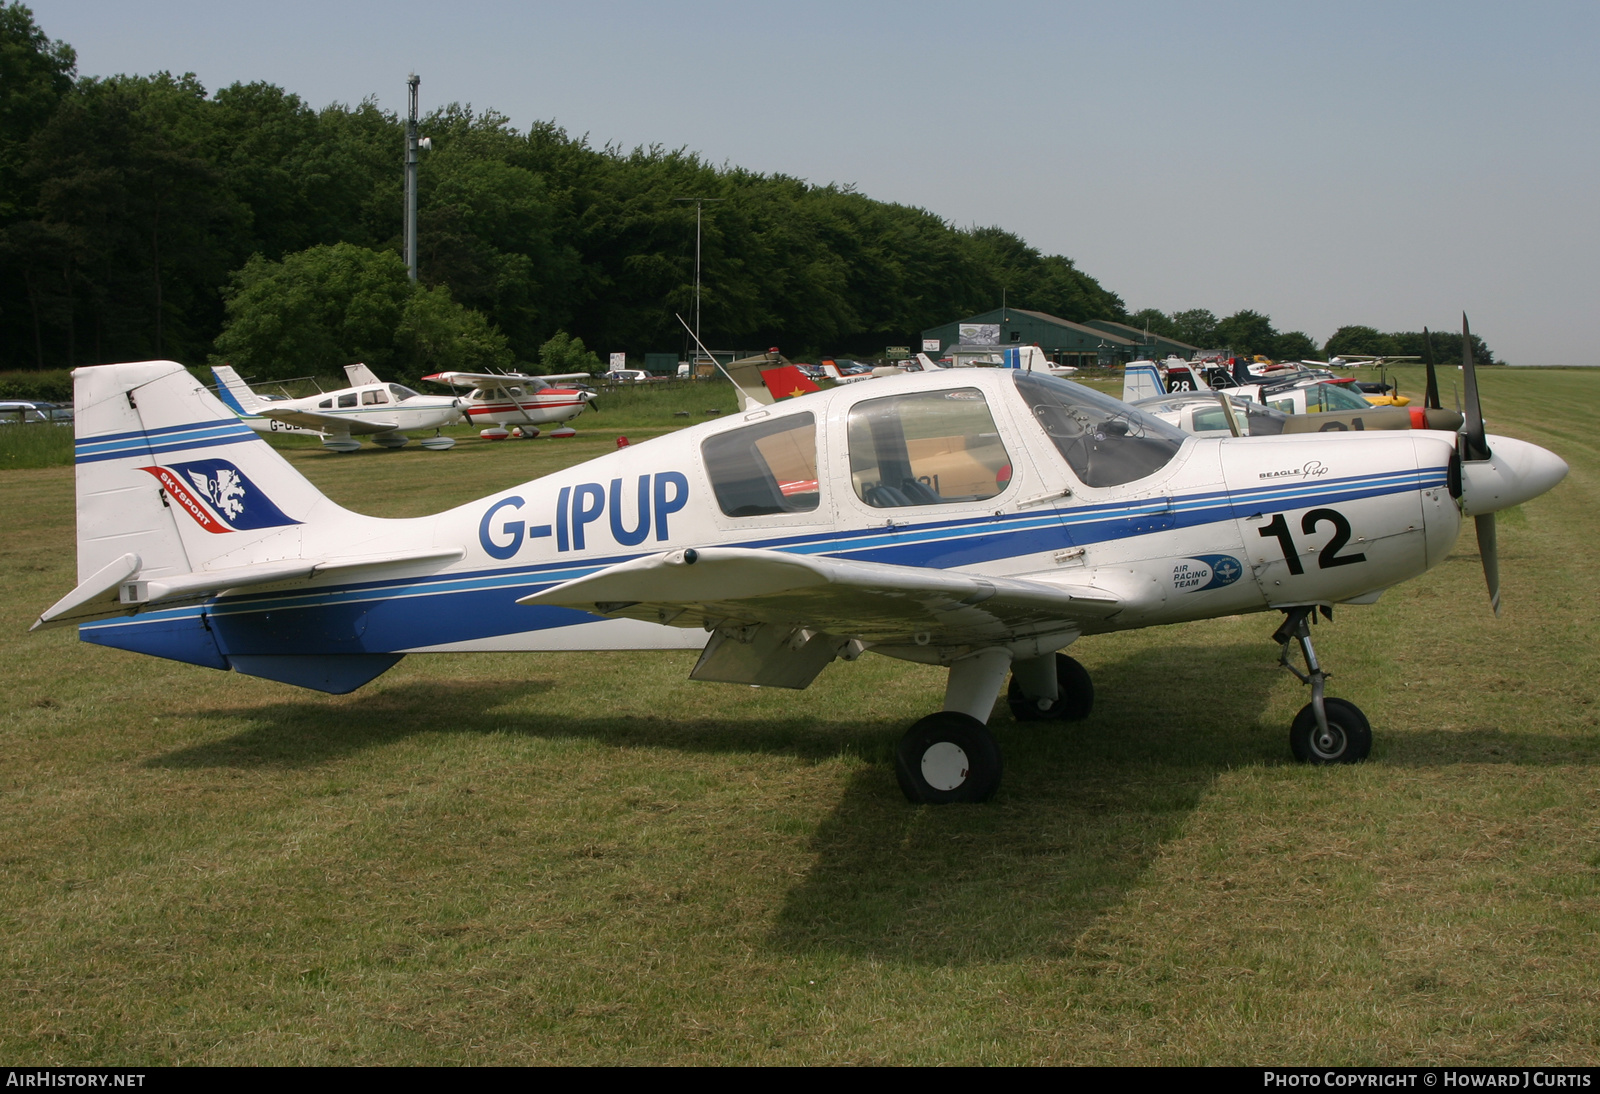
x=1327 y=730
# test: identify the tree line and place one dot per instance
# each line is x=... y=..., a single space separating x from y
x=143 y=217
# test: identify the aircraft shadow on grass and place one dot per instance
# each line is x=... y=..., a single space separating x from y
x=1086 y=809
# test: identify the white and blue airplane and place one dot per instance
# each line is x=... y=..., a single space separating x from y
x=980 y=520
x=369 y=408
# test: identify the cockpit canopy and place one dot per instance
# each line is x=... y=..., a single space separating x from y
x=1105 y=441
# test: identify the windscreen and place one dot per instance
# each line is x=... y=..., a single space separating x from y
x=1105 y=441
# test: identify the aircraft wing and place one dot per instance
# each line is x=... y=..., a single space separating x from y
x=476 y=379
x=875 y=603
x=329 y=423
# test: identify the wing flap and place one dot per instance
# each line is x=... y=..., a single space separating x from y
x=874 y=602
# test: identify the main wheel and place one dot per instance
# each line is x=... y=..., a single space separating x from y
x=948 y=757
x=1074 y=696
x=1348 y=740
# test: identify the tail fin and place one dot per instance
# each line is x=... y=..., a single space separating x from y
x=234 y=392
x=179 y=501
x=360 y=375
x=1141 y=380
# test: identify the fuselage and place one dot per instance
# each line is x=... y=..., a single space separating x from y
x=381 y=402
x=525 y=402
x=995 y=473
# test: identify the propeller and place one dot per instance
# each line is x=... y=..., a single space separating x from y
x=1477 y=443
x=1514 y=472
x=1430 y=399
x=1474 y=448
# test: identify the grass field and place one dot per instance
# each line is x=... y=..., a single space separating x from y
x=587 y=858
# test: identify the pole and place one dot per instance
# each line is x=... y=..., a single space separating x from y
x=411 y=180
x=697 y=270
x=697 y=229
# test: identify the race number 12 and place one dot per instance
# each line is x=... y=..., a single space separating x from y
x=1330 y=556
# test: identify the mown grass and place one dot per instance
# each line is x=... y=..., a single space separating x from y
x=33 y=445
x=587 y=858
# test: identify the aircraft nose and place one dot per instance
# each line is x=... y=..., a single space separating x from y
x=1515 y=472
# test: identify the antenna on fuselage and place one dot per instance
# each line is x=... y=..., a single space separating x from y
x=705 y=351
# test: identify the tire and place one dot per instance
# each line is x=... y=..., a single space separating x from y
x=1074 y=701
x=946 y=758
x=1349 y=729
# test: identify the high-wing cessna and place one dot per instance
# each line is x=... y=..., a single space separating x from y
x=498 y=400
x=981 y=520
x=368 y=408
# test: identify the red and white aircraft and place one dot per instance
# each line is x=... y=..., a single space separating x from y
x=513 y=399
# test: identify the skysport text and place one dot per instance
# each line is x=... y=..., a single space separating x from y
x=1534 y=1080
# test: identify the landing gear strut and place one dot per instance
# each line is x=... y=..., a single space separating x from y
x=1327 y=730
x=951 y=756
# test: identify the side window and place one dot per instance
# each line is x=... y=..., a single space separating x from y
x=373 y=398
x=348 y=400
x=769 y=467
x=326 y=404
x=1285 y=405
x=930 y=448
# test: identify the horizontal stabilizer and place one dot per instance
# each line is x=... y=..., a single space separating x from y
x=117 y=590
x=94 y=598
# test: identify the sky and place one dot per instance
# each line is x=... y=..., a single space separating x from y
x=1389 y=164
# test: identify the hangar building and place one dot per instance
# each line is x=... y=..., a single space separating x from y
x=1096 y=342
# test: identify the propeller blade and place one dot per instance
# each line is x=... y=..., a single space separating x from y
x=1489 y=552
x=1477 y=446
x=1431 y=398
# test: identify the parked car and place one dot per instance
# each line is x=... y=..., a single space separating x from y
x=626 y=376
x=13 y=411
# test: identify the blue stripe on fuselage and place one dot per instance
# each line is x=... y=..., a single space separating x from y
x=398 y=614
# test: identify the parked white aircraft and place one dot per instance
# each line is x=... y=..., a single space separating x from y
x=368 y=408
x=982 y=520
x=500 y=400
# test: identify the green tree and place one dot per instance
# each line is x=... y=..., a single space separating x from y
x=325 y=307
x=1156 y=322
x=146 y=228
x=436 y=334
x=564 y=353
x=1293 y=346
x=1364 y=340
x=1198 y=327
x=1247 y=333
x=35 y=73
x=314 y=312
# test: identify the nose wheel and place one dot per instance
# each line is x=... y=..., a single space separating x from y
x=1327 y=730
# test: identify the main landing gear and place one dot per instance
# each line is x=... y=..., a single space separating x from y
x=1327 y=730
x=951 y=756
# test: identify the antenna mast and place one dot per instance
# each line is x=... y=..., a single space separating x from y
x=411 y=180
